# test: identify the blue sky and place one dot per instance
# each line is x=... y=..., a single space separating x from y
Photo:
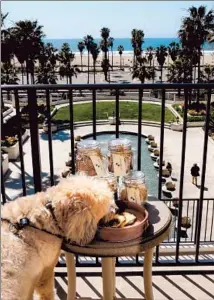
x=75 y=19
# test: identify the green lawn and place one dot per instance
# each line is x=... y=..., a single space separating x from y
x=128 y=110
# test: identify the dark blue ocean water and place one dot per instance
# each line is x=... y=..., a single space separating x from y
x=125 y=42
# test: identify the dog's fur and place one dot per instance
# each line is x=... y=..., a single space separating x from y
x=28 y=260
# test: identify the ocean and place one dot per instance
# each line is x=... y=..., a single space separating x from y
x=125 y=42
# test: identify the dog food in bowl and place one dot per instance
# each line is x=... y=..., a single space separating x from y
x=129 y=223
x=120 y=157
x=89 y=158
x=134 y=188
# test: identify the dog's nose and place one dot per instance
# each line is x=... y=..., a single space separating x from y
x=113 y=209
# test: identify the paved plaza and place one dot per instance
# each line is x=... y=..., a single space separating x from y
x=172 y=153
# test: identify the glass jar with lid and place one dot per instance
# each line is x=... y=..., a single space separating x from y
x=134 y=188
x=89 y=158
x=112 y=182
x=120 y=157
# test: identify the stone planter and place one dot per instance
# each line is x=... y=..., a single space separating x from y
x=156 y=165
x=154 y=157
x=151 y=149
x=170 y=186
x=176 y=126
x=13 y=151
x=53 y=128
x=167 y=193
x=5 y=163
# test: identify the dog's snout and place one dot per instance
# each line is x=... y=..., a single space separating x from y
x=113 y=209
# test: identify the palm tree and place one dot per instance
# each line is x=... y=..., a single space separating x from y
x=95 y=53
x=139 y=41
x=120 y=49
x=196 y=29
x=173 y=50
x=141 y=71
x=134 y=42
x=7 y=45
x=161 y=54
x=111 y=44
x=47 y=65
x=28 y=37
x=105 y=66
x=81 y=47
x=88 y=41
x=66 y=68
x=208 y=74
x=180 y=71
x=105 y=36
x=8 y=76
x=149 y=53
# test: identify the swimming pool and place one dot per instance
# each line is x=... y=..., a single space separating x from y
x=146 y=161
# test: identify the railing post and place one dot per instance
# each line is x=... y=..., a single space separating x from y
x=94 y=114
x=50 y=147
x=139 y=129
x=182 y=173
x=161 y=143
x=117 y=113
x=34 y=137
x=71 y=110
x=203 y=173
x=3 y=187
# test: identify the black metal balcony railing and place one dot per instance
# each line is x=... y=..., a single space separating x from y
x=198 y=236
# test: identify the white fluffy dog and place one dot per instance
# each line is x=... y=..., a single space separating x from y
x=71 y=209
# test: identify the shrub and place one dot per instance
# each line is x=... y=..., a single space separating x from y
x=196 y=118
x=170 y=186
x=9 y=141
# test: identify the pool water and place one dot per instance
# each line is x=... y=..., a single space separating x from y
x=146 y=161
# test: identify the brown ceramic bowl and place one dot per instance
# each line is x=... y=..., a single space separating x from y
x=129 y=232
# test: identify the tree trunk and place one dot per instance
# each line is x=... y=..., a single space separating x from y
x=199 y=69
x=88 y=66
x=112 y=62
x=81 y=61
x=22 y=71
x=120 y=61
x=194 y=74
x=94 y=72
x=153 y=70
x=27 y=73
x=161 y=73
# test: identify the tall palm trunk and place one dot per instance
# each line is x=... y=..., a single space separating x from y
x=81 y=61
x=153 y=79
x=199 y=70
x=161 y=74
x=22 y=71
x=94 y=71
x=194 y=75
x=27 y=72
x=88 y=65
x=112 y=62
x=120 y=61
